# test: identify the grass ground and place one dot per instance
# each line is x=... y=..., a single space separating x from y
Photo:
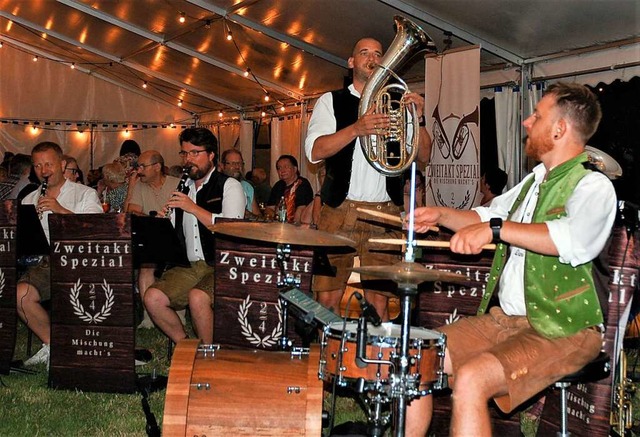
x=29 y=408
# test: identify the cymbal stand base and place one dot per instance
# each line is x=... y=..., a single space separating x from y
x=401 y=381
x=377 y=418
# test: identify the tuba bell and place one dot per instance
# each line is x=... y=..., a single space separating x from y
x=391 y=151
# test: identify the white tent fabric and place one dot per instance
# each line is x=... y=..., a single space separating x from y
x=508 y=132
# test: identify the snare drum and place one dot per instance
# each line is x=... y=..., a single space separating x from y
x=426 y=349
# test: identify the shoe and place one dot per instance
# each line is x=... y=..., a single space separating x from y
x=42 y=356
x=142 y=356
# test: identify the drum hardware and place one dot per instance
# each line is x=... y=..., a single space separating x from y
x=208 y=350
x=293 y=390
x=201 y=385
x=299 y=352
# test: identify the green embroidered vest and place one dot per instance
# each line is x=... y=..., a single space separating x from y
x=560 y=299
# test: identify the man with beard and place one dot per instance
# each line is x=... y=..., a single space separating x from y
x=211 y=194
x=547 y=321
x=59 y=196
x=351 y=182
x=232 y=164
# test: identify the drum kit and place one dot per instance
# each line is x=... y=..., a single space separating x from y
x=387 y=364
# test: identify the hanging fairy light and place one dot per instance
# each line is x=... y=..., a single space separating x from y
x=247 y=72
x=35 y=58
x=73 y=65
x=182 y=18
x=266 y=97
x=220 y=114
x=144 y=84
x=180 y=103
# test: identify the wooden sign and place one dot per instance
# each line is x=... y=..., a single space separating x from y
x=8 y=315
x=247 y=311
x=92 y=310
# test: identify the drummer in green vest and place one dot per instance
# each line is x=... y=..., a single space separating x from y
x=540 y=318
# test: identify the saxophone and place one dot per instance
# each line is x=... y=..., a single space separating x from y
x=391 y=151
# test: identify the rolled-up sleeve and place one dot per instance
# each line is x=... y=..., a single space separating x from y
x=581 y=235
x=233 y=201
x=322 y=122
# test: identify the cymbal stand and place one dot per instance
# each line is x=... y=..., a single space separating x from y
x=283 y=253
x=404 y=388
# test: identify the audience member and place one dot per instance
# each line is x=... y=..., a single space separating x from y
x=261 y=186
x=72 y=170
x=232 y=164
x=115 y=189
x=492 y=183
x=211 y=194
x=61 y=197
x=293 y=189
x=19 y=169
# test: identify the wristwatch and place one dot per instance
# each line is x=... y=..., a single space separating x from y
x=421 y=121
x=496 y=226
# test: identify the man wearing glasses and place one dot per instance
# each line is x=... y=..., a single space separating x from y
x=232 y=164
x=211 y=194
x=71 y=170
x=152 y=188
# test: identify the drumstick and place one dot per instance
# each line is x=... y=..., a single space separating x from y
x=390 y=217
x=423 y=243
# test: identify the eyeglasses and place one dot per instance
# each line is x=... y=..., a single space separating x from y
x=72 y=170
x=191 y=153
x=233 y=164
x=144 y=166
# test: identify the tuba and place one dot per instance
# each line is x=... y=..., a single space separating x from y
x=391 y=151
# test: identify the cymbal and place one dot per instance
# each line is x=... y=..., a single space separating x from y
x=409 y=273
x=281 y=233
x=604 y=162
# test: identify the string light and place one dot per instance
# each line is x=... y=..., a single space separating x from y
x=35 y=58
x=1 y=44
x=282 y=108
x=144 y=85
x=73 y=65
x=262 y=114
x=229 y=35
x=266 y=97
x=220 y=114
x=180 y=102
x=182 y=18
x=247 y=72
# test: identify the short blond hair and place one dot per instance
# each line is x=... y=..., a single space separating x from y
x=114 y=172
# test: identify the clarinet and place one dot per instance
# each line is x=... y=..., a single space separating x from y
x=182 y=185
x=43 y=192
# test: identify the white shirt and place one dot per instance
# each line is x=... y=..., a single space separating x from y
x=366 y=184
x=77 y=198
x=233 y=205
x=578 y=237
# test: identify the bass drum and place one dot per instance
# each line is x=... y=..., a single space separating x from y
x=241 y=392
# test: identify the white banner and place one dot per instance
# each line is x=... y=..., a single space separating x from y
x=452 y=114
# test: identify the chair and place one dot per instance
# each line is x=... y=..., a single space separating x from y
x=596 y=370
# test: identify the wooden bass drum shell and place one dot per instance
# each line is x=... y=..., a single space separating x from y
x=250 y=392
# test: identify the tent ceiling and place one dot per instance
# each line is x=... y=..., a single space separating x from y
x=293 y=48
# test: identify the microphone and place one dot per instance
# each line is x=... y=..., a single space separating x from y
x=368 y=310
x=361 y=342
